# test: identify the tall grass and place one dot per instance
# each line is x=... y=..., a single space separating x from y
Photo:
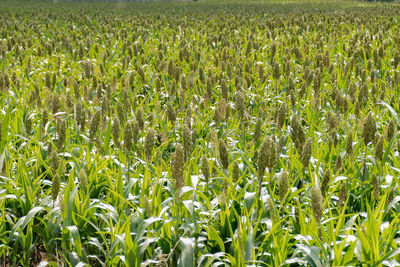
x=182 y=134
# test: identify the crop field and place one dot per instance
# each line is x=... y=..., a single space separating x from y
x=244 y=133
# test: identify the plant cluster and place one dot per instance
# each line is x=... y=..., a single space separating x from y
x=199 y=133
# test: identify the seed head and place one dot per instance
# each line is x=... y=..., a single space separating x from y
x=339 y=163
x=266 y=157
x=55 y=103
x=222 y=108
x=390 y=130
x=55 y=188
x=369 y=129
x=224 y=90
x=170 y=69
x=349 y=144
x=235 y=172
x=325 y=181
x=141 y=73
x=171 y=113
x=94 y=125
x=271 y=208
x=48 y=81
x=45 y=117
x=363 y=93
x=78 y=112
x=217 y=116
x=276 y=73
x=115 y=131
x=331 y=121
x=240 y=103
x=273 y=49
x=375 y=185
x=257 y=131
x=147 y=206
x=317 y=82
x=187 y=141
x=342 y=194
x=6 y=78
x=177 y=166
x=28 y=124
x=223 y=154
x=128 y=137
x=283 y=185
x=298 y=134
x=83 y=179
x=316 y=203
x=390 y=195
x=282 y=115
x=62 y=133
x=224 y=191
x=205 y=168
x=135 y=132
x=182 y=99
x=53 y=160
x=306 y=152
x=379 y=148
x=149 y=143
x=140 y=118
x=209 y=89
x=189 y=116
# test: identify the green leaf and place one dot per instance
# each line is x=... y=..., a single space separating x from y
x=71 y=197
x=131 y=256
x=4 y=131
x=23 y=221
x=187 y=256
x=387 y=151
x=248 y=252
x=249 y=200
x=392 y=203
x=389 y=255
x=394 y=113
x=107 y=137
x=214 y=236
x=76 y=240
x=313 y=257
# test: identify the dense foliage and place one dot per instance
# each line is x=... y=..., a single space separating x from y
x=199 y=133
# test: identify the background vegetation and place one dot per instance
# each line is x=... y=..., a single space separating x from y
x=207 y=133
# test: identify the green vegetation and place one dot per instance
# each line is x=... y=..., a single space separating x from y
x=201 y=133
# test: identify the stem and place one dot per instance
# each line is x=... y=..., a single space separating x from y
x=269 y=183
x=260 y=179
x=363 y=174
x=319 y=231
x=178 y=202
x=364 y=165
x=174 y=248
x=127 y=164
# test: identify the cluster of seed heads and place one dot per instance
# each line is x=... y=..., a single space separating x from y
x=177 y=166
x=266 y=159
x=369 y=129
x=188 y=85
x=316 y=203
x=297 y=133
x=283 y=185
